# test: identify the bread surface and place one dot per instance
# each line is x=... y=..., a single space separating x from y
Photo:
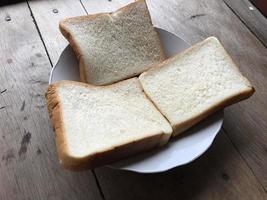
x=190 y=86
x=114 y=46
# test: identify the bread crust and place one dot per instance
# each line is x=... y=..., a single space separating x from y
x=96 y=159
x=183 y=126
x=77 y=50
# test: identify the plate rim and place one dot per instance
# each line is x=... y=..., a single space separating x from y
x=185 y=163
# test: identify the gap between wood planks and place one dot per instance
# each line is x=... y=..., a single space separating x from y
x=263 y=43
x=51 y=63
x=38 y=30
x=35 y=173
x=83 y=6
x=98 y=185
x=253 y=30
x=235 y=147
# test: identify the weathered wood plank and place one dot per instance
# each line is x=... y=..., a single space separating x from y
x=94 y=6
x=219 y=174
x=47 y=15
x=245 y=122
x=251 y=16
x=29 y=166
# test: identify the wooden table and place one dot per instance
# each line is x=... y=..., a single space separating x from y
x=235 y=167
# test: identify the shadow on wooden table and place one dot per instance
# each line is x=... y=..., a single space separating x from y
x=219 y=174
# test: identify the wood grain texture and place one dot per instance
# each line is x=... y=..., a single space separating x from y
x=29 y=167
x=251 y=17
x=96 y=6
x=245 y=122
x=219 y=174
x=47 y=15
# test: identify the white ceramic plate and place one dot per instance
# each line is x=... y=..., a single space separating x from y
x=180 y=150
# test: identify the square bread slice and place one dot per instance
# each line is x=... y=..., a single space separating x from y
x=114 y=46
x=97 y=125
x=195 y=83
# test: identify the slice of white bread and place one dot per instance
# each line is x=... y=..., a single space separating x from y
x=97 y=125
x=114 y=46
x=190 y=86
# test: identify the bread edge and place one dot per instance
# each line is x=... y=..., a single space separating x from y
x=97 y=159
x=77 y=50
x=183 y=126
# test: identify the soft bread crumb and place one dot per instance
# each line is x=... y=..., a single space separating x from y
x=195 y=83
x=114 y=46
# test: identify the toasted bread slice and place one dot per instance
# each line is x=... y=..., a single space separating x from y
x=97 y=125
x=114 y=46
x=195 y=83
